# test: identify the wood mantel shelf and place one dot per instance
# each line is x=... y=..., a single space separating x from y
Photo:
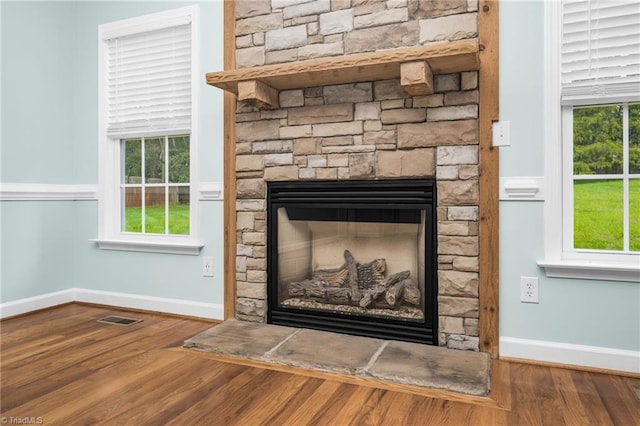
x=415 y=66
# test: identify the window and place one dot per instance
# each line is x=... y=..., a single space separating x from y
x=147 y=139
x=592 y=142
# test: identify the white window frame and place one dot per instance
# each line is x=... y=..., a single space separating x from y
x=110 y=234
x=561 y=259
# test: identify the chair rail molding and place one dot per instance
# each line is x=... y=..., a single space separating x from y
x=47 y=192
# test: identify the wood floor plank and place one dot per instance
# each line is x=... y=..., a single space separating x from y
x=63 y=366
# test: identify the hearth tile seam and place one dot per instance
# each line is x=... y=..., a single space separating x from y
x=267 y=355
x=373 y=359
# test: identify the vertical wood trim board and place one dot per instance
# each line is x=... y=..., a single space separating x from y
x=489 y=182
x=229 y=166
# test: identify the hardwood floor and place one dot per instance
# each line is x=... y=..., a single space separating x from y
x=62 y=366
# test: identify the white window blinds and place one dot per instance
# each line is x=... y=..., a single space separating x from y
x=600 y=51
x=149 y=77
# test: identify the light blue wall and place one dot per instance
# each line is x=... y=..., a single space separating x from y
x=587 y=312
x=50 y=135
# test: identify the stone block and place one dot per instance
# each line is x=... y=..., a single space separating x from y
x=259 y=24
x=306 y=146
x=392 y=4
x=280 y=173
x=244 y=41
x=455 y=155
x=456 y=283
x=320 y=114
x=454 y=325
x=281 y=56
x=388 y=89
x=254 y=238
x=452 y=27
x=453 y=228
x=471 y=327
x=466 y=97
x=398 y=116
x=286 y=38
x=243 y=148
x=429 y=101
x=372 y=126
x=380 y=137
x=458 y=306
x=382 y=37
x=348 y=93
x=458 y=192
x=250 y=307
x=257 y=264
x=244 y=221
x=462 y=213
x=278 y=159
x=317 y=161
x=367 y=111
x=251 y=290
x=469 y=264
x=320 y=50
x=241 y=264
x=247 y=116
x=419 y=9
x=258 y=39
x=337 y=129
x=250 y=188
x=338 y=160
x=449 y=113
x=463 y=343
x=279 y=4
x=256 y=276
x=340 y=21
x=362 y=165
x=257 y=130
x=303 y=20
x=392 y=104
x=249 y=162
x=413 y=163
x=447 y=82
x=306 y=173
x=314 y=7
x=272 y=147
x=468 y=171
x=415 y=135
x=293 y=132
x=248 y=8
x=244 y=250
x=455 y=245
x=383 y=17
x=469 y=80
x=348 y=148
x=327 y=173
x=273 y=114
x=368 y=7
x=291 y=98
x=337 y=140
x=447 y=172
x=340 y=4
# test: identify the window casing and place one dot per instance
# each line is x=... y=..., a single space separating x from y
x=148 y=93
x=570 y=85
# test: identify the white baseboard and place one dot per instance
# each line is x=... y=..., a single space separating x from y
x=30 y=304
x=119 y=300
x=567 y=353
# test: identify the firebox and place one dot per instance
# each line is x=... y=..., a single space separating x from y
x=355 y=257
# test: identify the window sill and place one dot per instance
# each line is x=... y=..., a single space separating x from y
x=149 y=246
x=586 y=270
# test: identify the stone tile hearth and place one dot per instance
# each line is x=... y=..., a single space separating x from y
x=386 y=360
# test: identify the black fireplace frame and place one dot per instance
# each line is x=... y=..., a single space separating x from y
x=371 y=194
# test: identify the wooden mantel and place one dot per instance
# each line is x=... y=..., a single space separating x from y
x=415 y=66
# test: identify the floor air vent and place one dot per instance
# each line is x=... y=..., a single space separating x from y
x=116 y=320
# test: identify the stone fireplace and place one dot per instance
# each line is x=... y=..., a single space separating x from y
x=364 y=131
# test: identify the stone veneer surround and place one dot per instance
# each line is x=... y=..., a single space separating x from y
x=370 y=130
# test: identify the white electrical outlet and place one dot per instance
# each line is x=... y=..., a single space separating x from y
x=501 y=133
x=529 y=289
x=207 y=266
